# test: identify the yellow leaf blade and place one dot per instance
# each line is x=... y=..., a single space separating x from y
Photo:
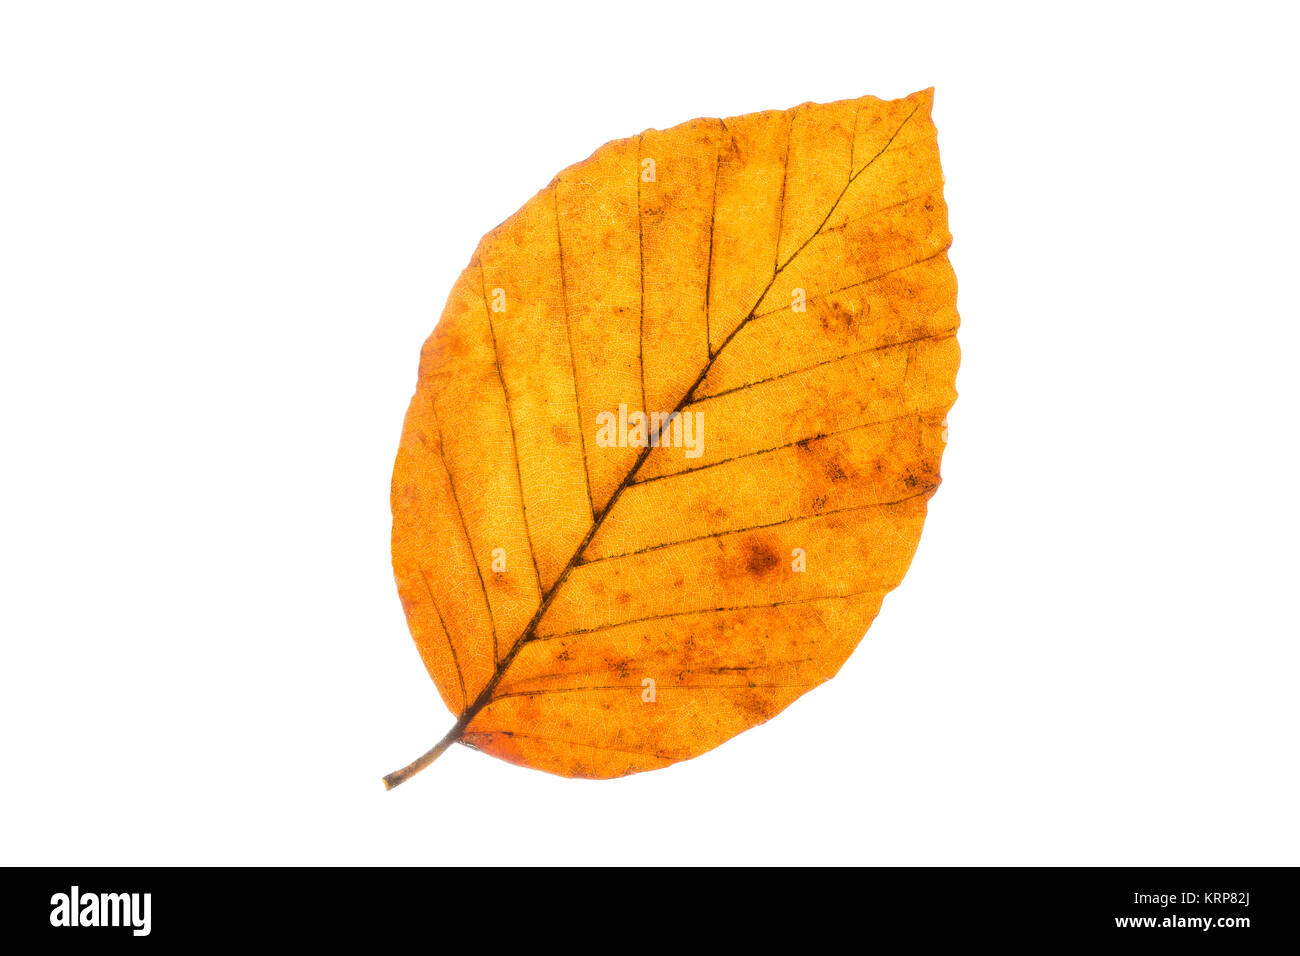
x=779 y=283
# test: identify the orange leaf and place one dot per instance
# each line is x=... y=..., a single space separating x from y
x=597 y=589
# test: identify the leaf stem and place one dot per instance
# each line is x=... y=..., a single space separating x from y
x=428 y=757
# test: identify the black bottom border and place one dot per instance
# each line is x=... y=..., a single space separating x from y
x=1228 y=907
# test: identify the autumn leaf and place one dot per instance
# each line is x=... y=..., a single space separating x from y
x=674 y=435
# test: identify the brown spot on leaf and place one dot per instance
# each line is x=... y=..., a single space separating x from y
x=840 y=321
x=760 y=558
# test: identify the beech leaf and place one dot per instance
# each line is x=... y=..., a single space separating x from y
x=674 y=435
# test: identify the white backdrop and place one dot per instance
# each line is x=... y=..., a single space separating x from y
x=225 y=230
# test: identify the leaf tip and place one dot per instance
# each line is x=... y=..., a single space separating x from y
x=924 y=98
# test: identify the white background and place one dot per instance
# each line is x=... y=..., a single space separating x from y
x=225 y=230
